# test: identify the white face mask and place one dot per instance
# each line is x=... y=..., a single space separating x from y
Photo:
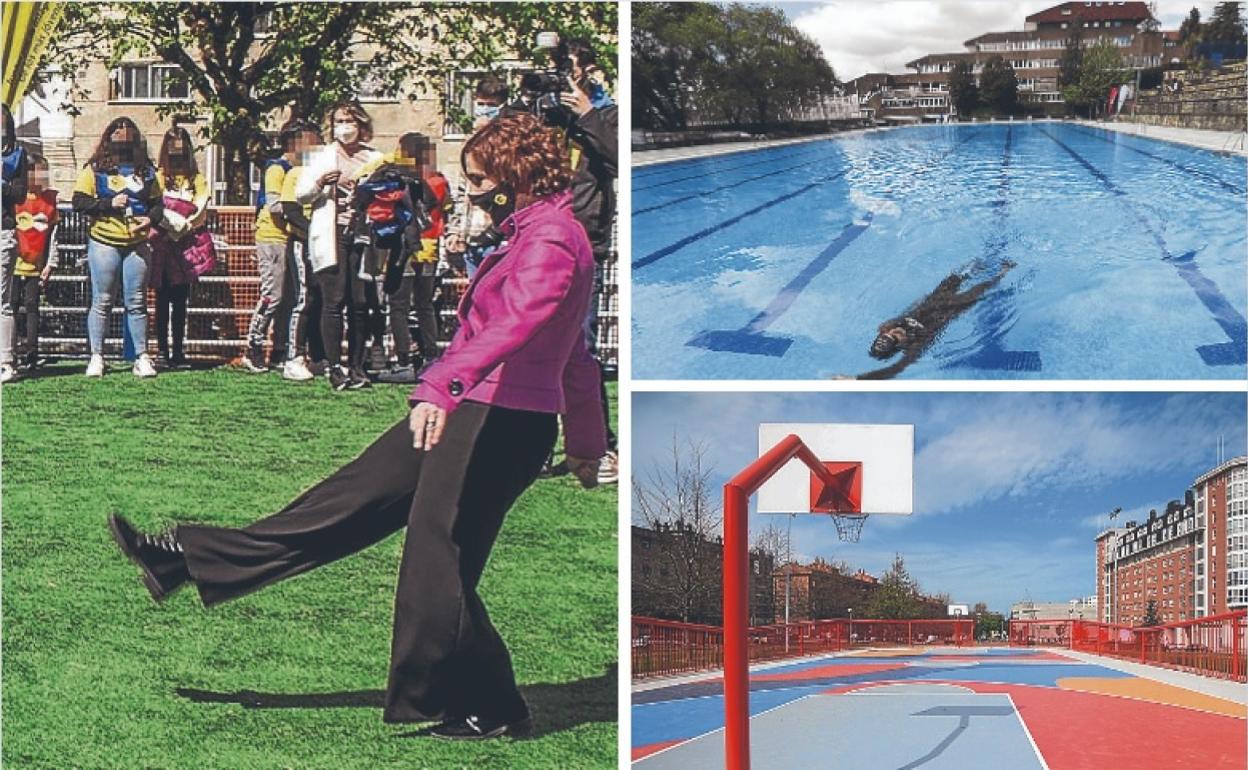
x=345 y=132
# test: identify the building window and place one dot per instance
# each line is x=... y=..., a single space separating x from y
x=371 y=87
x=149 y=82
x=461 y=86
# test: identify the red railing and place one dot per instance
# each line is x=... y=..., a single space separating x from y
x=664 y=647
x=1216 y=646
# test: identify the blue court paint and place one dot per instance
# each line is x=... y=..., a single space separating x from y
x=1210 y=295
x=750 y=338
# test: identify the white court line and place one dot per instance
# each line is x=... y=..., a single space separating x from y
x=1027 y=732
x=720 y=729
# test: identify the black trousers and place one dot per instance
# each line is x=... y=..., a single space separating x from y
x=447 y=660
x=426 y=315
x=344 y=297
x=400 y=303
x=25 y=292
x=171 y=300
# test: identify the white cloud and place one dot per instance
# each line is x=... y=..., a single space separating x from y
x=859 y=37
x=1048 y=443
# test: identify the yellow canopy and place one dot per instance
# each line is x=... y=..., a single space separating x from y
x=26 y=28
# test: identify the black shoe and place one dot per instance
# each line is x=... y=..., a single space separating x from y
x=317 y=367
x=377 y=360
x=480 y=728
x=339 y=378
x=359 y=380
x=254 y=361
x=160 y=557
x=398 y=375
x=178 y=361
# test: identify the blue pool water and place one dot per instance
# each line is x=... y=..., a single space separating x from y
x=1114 y=257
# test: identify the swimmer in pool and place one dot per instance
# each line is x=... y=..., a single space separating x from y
x=914 y=331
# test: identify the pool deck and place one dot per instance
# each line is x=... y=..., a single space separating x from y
x=1218 y=141
x=950 y=708
x=1229 y=142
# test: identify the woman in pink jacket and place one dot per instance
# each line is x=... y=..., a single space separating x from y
x=482 y=423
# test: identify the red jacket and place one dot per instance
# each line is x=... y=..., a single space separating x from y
x=521 y=337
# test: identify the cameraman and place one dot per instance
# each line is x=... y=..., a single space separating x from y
x=590 y=121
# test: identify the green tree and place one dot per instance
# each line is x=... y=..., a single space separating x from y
x=1070 y=63
x=744 y=66
x=245 y=80
x=1101 y=69
x=963 y=93
x=998 y=86
x=1189 y=30
x=1150 y=614
x=1226 y=25
x=897 y=596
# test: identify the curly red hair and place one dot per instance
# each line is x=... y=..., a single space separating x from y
x=521 y=151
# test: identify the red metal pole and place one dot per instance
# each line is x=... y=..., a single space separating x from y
x=1235 y=671
x=736 y=610
x=736 y=588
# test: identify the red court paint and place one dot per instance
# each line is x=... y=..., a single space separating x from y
x=641 y=752
x=826 y=672
x=1088 y=731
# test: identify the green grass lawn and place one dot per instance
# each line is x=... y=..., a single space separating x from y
x=98 y=676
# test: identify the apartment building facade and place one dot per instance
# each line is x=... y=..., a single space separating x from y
x=1034 y=52
x=1190 y=560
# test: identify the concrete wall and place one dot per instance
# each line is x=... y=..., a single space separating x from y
x=1217 y=101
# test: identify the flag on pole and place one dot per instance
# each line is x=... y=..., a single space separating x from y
x=26 y=28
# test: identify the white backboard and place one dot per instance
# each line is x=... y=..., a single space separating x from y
x=885 y=451
x=959 y=610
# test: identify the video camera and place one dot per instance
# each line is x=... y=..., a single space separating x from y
x=544 y=86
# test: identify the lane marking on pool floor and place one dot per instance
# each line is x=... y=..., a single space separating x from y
x=750 y=338
x=994 y=308
x=729 y=186
x=1175 y=164
x=660 y=253
x=1210 y=295
x=708 y=172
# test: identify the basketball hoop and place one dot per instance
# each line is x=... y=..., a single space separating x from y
x=849 y=526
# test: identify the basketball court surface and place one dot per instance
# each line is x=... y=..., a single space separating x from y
x=948 y=708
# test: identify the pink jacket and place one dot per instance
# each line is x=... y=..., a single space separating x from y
x=521 y=337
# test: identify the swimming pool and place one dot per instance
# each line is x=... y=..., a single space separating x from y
x=1097 y=256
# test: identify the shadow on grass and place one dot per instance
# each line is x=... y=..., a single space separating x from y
x=556 y=707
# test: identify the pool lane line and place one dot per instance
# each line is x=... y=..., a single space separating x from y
x=991 y=355
x=1174 y=164
x=666 y=166
x=708 y=172
x=1210 y=295
x=664 y=251
x=682 y=199
x=750 y=338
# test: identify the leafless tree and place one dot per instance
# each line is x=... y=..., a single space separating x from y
x=678 y=575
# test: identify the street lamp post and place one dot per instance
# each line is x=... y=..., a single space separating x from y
x=1113 y=583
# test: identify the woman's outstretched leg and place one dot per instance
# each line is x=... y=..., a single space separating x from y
x=447 y=660
x=360 y=504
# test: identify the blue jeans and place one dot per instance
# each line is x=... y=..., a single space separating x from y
x=105 y=262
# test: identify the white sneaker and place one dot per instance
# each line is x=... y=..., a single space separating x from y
x=143 y=367
x=7 y=373
x=95 y=367
x=295 y=369
x=609 y=468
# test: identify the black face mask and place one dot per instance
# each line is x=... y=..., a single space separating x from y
x=499 y=202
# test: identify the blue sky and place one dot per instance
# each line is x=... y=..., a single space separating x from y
x=1010 y=488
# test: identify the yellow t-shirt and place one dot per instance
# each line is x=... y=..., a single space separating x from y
x=193 y=190
x=268 y=231
x=114 y=229
x=288 y=190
